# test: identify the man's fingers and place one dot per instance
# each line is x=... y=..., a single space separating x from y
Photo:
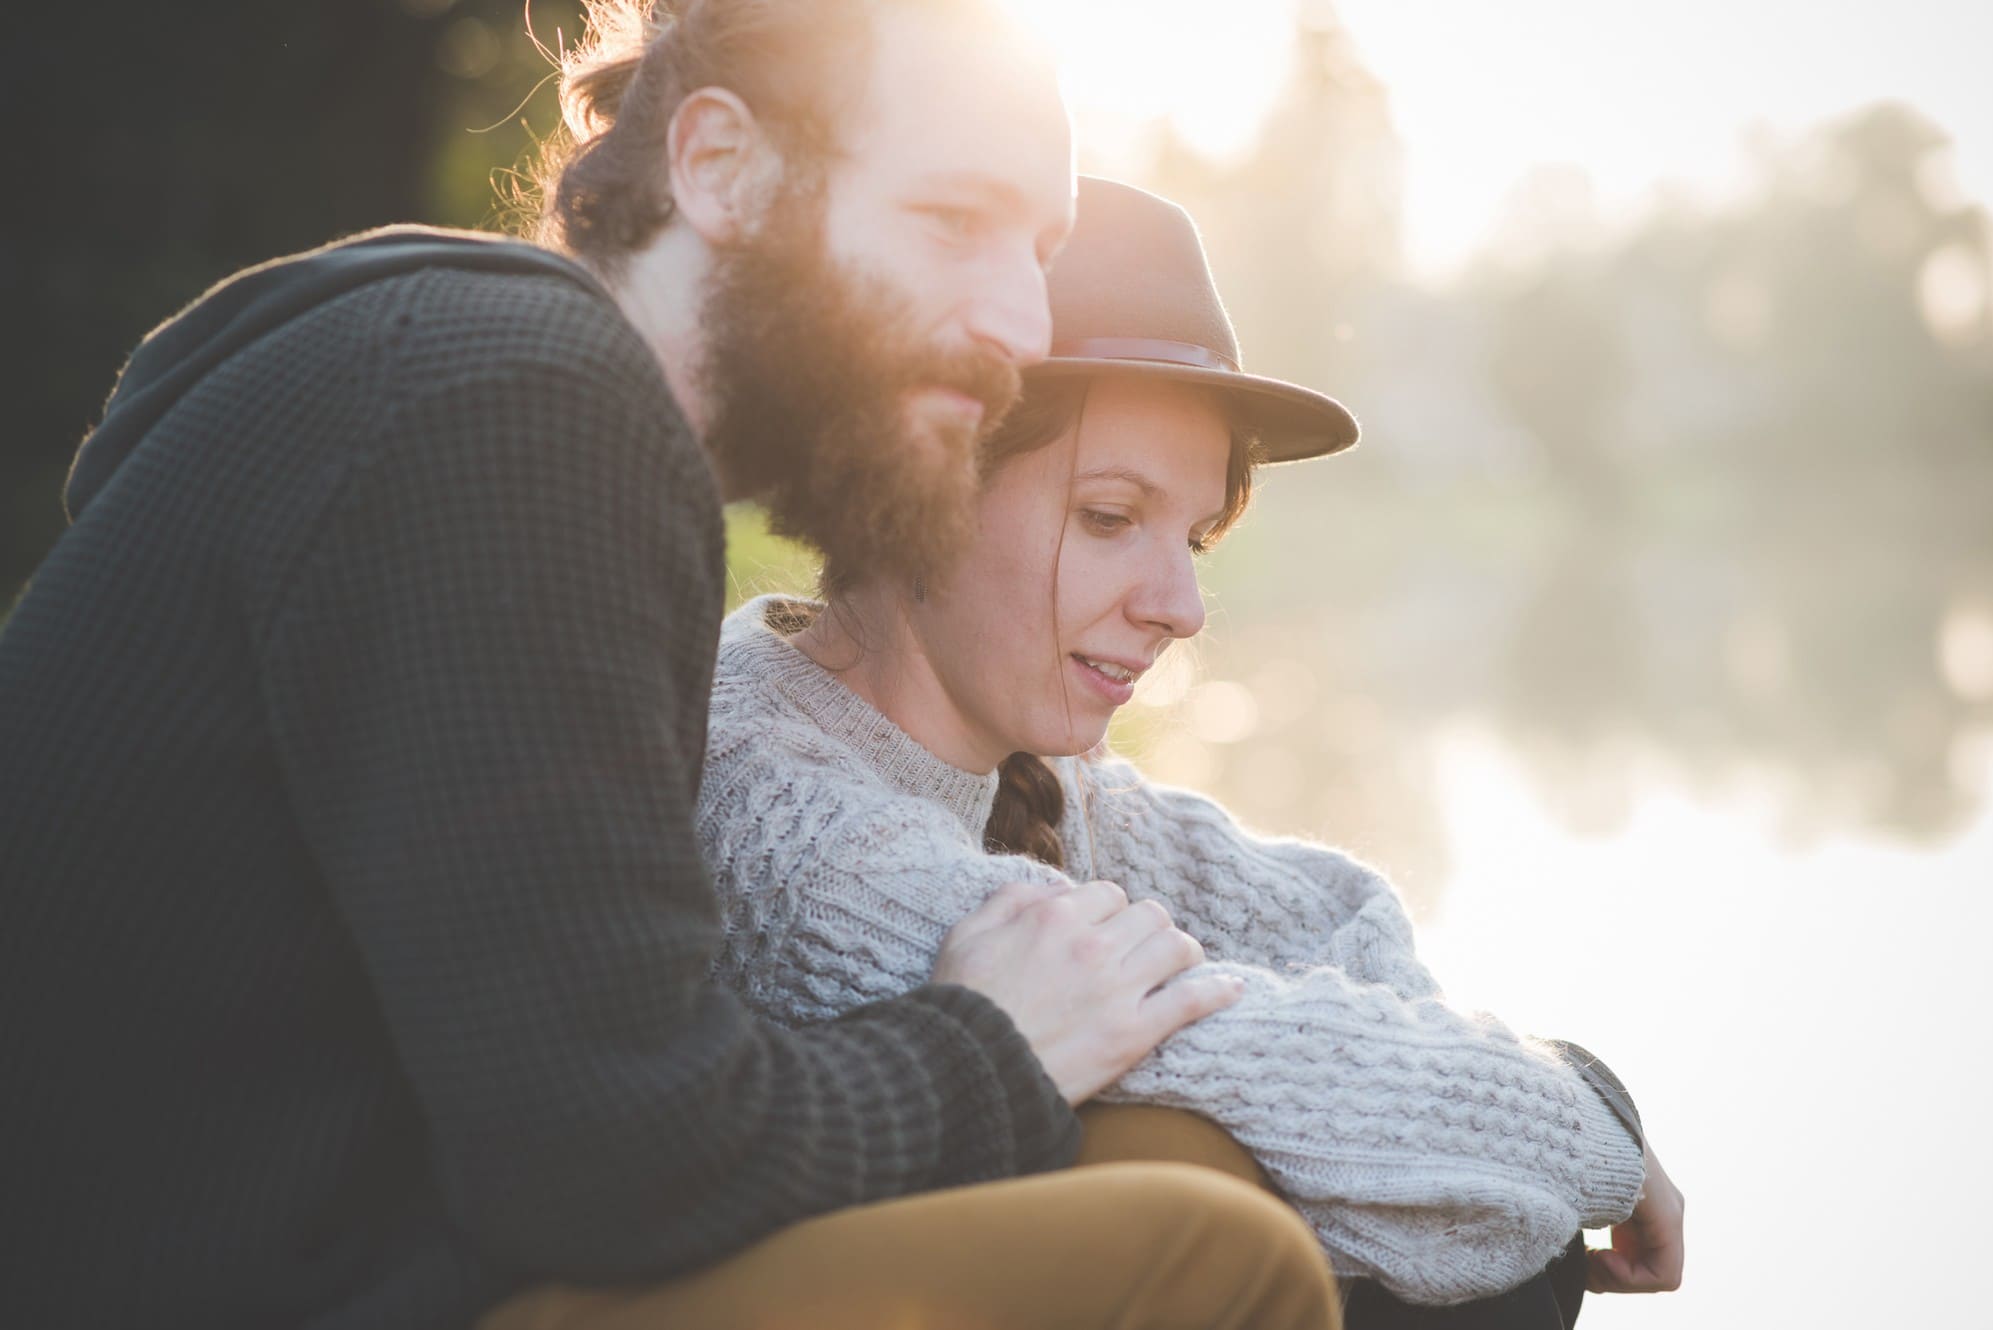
x=1129 y=928
x=1097 y=900
x=1161 y=955
x=1090 y=903
x=1176 y=1005
x=1003 y=905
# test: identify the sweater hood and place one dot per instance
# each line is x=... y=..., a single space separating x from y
x=179 y=353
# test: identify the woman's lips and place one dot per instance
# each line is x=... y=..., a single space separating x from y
x=1115 y=692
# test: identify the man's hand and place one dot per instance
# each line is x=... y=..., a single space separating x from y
x=1646 y=1252
x=1079 y=970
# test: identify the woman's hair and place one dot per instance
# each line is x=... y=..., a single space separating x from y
x=1030 y=802
x=603 y=185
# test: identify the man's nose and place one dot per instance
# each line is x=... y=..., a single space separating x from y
x=1010 y=314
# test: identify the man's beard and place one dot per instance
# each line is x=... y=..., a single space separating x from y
x=810 y=369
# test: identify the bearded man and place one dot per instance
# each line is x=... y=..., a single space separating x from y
x=355 y=946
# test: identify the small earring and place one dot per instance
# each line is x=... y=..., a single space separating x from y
x=919 y=589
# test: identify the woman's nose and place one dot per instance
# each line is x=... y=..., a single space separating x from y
x=1169 y=598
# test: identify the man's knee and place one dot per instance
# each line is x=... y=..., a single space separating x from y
x=1122 y=1133
x=1219 y=1251
x=1151 y=1246
x=1219 y=1213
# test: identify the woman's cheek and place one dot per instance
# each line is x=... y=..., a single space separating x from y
x=1086 y=581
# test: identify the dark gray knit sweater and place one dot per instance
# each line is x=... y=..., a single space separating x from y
x=354 y=938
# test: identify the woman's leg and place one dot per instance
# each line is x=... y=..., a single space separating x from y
x=1124 y=1132
x=1131 y=1247
x=1547 y=1302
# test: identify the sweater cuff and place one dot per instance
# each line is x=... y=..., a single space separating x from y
x=1001 y=1114
x=1607 y=1086
x=1614 y=1162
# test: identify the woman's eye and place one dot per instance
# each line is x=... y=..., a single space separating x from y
x=1103 y=524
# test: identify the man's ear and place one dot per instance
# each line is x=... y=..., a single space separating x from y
x=720 y=161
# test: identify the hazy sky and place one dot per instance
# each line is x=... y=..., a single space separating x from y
x=1637 y=95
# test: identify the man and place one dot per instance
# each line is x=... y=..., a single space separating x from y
x=355 y=940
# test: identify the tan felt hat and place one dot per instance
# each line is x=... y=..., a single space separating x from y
x=1132 y=293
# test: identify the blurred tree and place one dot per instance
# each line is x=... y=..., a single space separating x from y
x=1795 y=463
x=1308 y=223
x=1709 y=489
x=1558 y=362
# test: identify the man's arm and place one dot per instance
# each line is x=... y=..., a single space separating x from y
x=487 y=677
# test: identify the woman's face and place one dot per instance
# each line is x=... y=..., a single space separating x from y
x=1081 y=571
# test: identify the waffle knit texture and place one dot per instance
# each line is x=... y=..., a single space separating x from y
x=1431 y=1148
x=355 y=942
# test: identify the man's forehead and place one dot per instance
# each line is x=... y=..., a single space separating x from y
x=956 y=98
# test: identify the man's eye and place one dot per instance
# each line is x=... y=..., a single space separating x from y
x=1103 y=524
x=958 y=223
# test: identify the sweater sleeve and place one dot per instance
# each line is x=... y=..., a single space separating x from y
x=1432 y=1148
x=837 y=891
x=1279 y=902
x=487 y=675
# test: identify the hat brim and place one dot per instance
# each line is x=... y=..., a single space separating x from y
x=1293 y=423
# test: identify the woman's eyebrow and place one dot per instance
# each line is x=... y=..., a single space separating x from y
x=1129 y=474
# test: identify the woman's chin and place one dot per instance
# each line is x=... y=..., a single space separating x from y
x=1074 y=743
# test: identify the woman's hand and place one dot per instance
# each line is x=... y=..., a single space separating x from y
x=1646 y=1251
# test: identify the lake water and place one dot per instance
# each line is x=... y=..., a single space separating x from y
x=1805 y=1030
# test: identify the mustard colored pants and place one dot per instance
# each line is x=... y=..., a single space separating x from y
x=1164 y=1225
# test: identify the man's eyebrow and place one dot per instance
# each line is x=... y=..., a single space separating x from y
x=1002 y=196
x=990 y=189
x=1129 y=474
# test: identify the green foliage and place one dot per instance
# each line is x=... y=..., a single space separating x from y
x=759 y=562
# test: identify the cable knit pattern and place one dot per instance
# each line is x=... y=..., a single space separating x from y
x=1430 y=1148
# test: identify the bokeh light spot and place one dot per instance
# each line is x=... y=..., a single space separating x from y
x=1221 y=712
x=469 y=49
x=1952 y=294
x=1965 y=651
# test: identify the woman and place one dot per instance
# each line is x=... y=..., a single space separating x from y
x=880 y=764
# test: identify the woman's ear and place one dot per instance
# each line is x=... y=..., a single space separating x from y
x=721 y=163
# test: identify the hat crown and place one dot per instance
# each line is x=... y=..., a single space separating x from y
x=1134 y=268
x=1132 y=294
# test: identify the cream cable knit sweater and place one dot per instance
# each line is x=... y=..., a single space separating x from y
x=1430 y=1148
